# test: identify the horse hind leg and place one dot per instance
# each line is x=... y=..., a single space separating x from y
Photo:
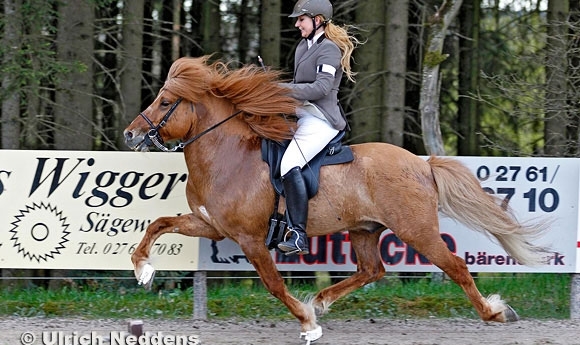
x=369 y=269
x=427 y=241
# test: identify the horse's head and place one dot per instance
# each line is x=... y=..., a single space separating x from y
x=170 y=115
x=164 y=120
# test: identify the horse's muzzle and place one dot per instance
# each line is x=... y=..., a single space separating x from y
x=137 y=142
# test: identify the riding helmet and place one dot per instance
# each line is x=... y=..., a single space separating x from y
x=312 y=8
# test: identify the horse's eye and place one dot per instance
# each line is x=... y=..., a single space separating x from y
x=165 y=103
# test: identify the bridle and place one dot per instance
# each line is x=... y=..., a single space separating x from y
x=154 y=138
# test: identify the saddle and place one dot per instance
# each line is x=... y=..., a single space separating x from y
x=334 y=153
x=272 y=152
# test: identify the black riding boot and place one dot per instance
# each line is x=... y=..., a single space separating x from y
x=295 y=240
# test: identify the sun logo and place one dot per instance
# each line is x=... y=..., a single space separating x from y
x=39 y=232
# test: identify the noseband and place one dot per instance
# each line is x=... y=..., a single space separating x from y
x=154 y=138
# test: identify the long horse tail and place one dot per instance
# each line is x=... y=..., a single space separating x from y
x=462 y=198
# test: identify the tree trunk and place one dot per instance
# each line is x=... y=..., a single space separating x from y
x=574 y=74
x=73 y=114
x=10 y=85
x=164 y=41
x=270 y=32
x=132 y=62
x=243 y=31
x=413 y=140
x=468 y=110
x=397 y=25
x=175 y=34
x=11 y=103
x=108 y=100
x=431 y=84
x=34 y=93
x=74 y=111
x=289 y=37
x=366 y=97
x=210 y=23
x=556 y=121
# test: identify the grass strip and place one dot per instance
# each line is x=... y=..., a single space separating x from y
x=538 y=296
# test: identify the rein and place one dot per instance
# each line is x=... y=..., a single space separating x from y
x=155 y=139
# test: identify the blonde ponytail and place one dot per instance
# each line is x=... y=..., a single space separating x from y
x=346 y=42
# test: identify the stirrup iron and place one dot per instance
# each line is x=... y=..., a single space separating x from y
x=298 y=249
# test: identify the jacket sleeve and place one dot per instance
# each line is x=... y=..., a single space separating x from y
x=319 y=88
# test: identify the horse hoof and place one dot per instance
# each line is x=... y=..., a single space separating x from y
x=311 y=336
x=501 y=311
x=146 y=277
x=510 y=314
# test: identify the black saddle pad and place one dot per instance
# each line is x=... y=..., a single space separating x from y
x=334 y=153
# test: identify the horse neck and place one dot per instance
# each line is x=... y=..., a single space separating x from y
x=224 y=150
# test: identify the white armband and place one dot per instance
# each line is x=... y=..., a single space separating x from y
x=326 y=69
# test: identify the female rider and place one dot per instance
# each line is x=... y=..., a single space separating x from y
x=321 y=58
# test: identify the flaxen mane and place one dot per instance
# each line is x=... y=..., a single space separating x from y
x=250 y=88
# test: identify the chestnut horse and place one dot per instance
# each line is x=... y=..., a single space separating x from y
x=221 y=114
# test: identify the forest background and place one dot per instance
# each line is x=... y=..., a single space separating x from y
x=74 y=73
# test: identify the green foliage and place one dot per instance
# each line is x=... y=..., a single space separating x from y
x=34 y=61
x=433 y=59
x=512 y=88
x=532 y=295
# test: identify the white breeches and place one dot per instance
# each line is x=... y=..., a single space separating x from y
x=312 y=135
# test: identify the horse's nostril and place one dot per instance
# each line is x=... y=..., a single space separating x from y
x=128 y=135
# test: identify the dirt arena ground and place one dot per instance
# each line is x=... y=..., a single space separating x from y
x=60 y=331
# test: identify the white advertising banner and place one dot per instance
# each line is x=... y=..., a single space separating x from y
x=536 y=189
x=89 y=210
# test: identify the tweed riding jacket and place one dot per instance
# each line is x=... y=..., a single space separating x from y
x=317 y=75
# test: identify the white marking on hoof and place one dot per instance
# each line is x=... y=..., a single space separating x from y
x=147 y=275
x=311 y=336
x=496 y=304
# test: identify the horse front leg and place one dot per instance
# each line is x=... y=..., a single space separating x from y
x=369 y=269
x=188 y=225
x=261 y=259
